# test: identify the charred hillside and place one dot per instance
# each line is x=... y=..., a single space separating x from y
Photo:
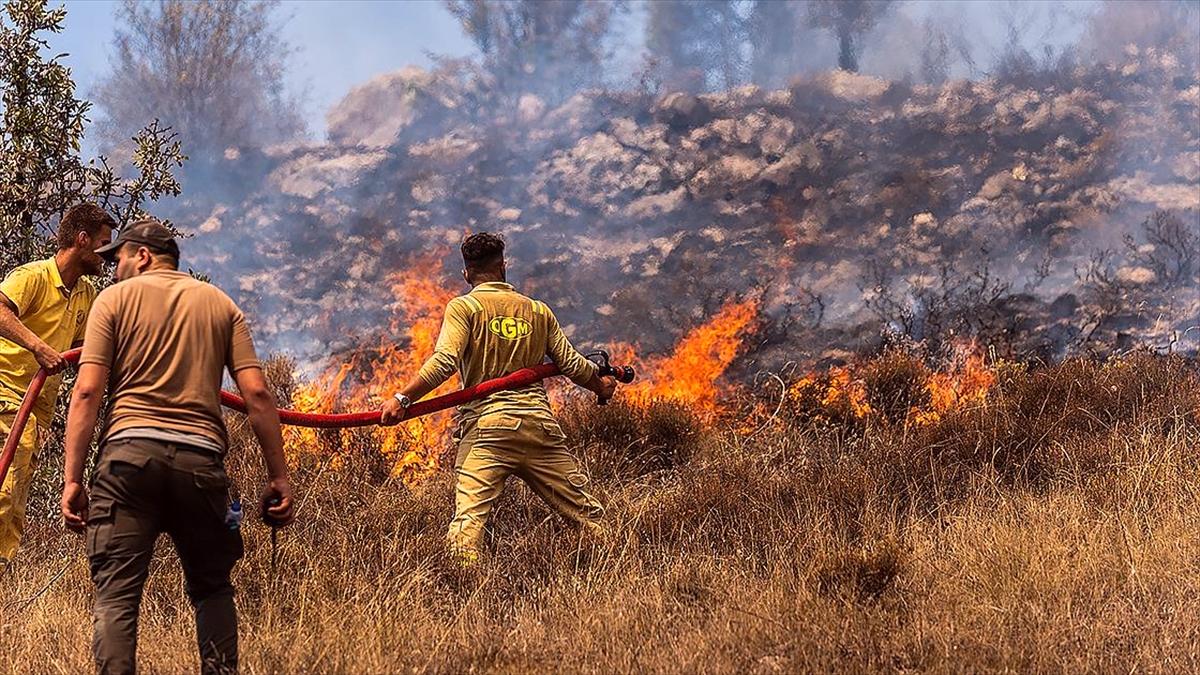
x=1046 y=213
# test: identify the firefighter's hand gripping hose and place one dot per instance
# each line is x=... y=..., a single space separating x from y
x=514 y=380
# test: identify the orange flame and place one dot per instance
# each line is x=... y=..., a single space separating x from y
x=832 y=390
x=381 y=371
x=966 y=384
x=844 y=390
x=844 y=387
x=318 y=396
x=690 y=374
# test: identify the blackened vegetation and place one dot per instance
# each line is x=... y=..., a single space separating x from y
x=1128 y=290
x=1170 y=248
x=945 y=308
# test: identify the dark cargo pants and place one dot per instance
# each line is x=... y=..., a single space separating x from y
x=143 y=488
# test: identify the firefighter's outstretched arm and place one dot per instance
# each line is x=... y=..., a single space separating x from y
x=81 y=423
x=278 y=499
x=574 y=365
x=13 y=330
x=438 y=368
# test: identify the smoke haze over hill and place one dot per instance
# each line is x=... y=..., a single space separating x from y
x=996 y=170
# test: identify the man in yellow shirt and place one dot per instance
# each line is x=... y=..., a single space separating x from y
x=43 y=311
x=488 y=333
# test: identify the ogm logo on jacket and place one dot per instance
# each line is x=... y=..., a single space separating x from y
x=510 y=327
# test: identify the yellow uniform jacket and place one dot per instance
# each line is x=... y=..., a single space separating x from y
x=493 y=331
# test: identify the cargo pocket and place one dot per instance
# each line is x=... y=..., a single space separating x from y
x=213 y=485
x=498 y=425
x=553 y=431
x=121 y=463
x=125 y=452
x=99 y=527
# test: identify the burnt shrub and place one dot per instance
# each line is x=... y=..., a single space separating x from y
x=847 y=401
x=828 y=403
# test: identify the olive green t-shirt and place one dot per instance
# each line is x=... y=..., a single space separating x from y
x=166 y=339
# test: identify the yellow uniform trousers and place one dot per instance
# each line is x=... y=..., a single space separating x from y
x=15 y=491
x=532 y=447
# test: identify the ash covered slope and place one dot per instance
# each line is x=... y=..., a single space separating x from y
x=636 y=216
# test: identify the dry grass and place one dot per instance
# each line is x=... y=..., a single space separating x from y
x=1054 y=528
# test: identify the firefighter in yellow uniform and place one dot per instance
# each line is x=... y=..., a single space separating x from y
x=488 y=333
x=44 y=307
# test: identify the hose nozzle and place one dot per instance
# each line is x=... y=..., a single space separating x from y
x=622 y=374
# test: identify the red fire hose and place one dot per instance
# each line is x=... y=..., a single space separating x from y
x=515 y=380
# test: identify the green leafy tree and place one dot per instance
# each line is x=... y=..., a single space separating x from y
x=41 y=172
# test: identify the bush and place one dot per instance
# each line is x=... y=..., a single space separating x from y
x=624 y=441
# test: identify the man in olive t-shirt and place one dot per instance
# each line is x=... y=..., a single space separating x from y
x=490 y=332
x=161 y=341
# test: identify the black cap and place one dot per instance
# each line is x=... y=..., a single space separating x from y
x=149 y=233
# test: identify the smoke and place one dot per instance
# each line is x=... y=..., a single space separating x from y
x=965 y=179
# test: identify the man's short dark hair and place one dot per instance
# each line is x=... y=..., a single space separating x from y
x=131 y=248
x=482 y=251
x=85 y=217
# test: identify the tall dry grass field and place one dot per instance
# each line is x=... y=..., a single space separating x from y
x=1054 y=526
